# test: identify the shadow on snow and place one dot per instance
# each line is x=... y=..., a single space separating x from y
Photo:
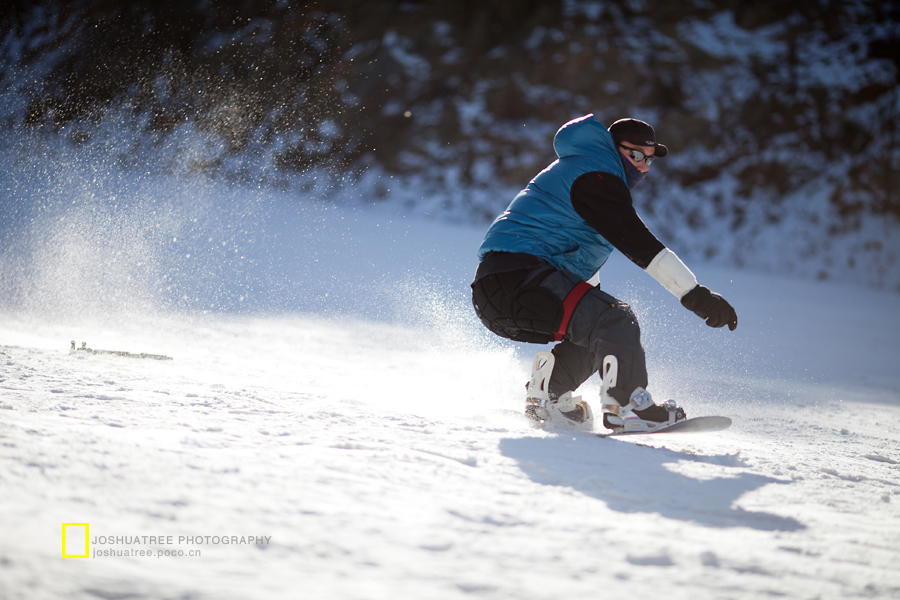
x=631 y=478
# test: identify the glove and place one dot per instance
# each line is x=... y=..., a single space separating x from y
x=711 y=307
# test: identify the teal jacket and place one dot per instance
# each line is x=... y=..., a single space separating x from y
x=541 y=220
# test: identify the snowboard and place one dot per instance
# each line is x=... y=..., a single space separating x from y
x=695 y=425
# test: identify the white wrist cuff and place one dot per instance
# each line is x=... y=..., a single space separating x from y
x=673 y=274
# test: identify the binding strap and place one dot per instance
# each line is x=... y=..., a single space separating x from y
x=569 y=305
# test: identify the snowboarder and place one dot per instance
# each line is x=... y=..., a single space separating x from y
x=538 y=277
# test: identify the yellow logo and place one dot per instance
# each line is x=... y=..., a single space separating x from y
x=75 y=540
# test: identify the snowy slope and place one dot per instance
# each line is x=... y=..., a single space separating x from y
x=331 y=391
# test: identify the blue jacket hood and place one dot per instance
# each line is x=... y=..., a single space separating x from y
x=584 y=136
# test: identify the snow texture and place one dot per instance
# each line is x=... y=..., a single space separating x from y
x=332 y=393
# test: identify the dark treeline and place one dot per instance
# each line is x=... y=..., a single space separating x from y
x=771 y=94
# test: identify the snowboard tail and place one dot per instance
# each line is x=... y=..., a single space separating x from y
x=695 y=425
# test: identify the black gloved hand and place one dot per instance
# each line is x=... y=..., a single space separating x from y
x=710 y=306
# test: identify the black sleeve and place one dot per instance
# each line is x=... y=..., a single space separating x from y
x=604 y=201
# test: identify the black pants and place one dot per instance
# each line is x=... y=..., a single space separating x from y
x=520 y=297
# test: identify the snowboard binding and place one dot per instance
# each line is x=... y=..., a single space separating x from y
x=545 y=410
x=641 y=413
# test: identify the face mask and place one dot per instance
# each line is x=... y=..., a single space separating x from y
x=632 y=175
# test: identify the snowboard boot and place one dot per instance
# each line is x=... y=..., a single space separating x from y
x=545 y=409
x=643 y=414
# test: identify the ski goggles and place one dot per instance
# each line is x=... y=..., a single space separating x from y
x=638 y=156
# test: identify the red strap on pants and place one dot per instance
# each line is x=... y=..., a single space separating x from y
x=569 y=305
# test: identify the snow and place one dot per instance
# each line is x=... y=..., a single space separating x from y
x=332 y=392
